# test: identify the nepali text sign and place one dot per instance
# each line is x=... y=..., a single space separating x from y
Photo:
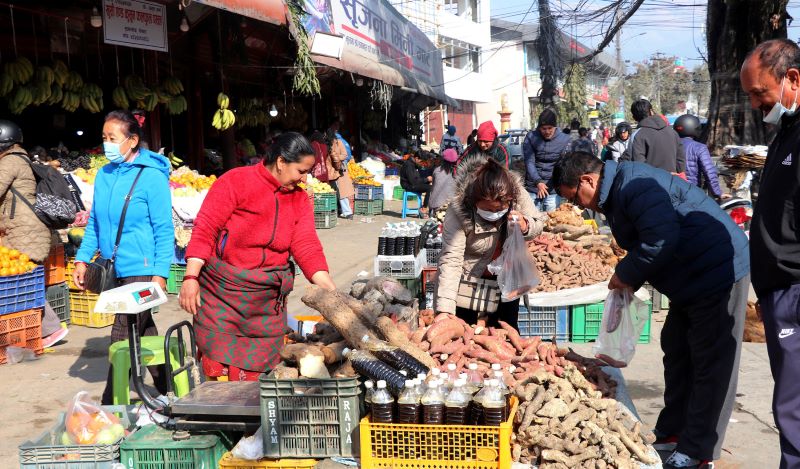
x=135 y=23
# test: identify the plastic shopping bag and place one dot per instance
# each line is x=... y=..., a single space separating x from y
x=88 y=424
x=624 y=318
x=515 y=268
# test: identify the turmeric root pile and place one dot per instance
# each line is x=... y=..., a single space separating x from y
x=564 y=264
x=564 y=423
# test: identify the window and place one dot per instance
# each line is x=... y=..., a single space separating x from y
x=459 y=54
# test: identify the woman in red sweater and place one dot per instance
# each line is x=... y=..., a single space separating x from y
x=238 y=275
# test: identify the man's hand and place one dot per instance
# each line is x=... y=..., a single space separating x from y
x=430 y=178
x=542 y=190
x=616 y=284
x=725 y=197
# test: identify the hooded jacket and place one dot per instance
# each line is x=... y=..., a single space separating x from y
x=677 y=238
x=23 y=231
x=698 y=160
x=541 y=156
x=148 y=237
x=656 y=144
x=469 y=241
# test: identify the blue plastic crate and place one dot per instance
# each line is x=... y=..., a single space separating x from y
x=179 y=257
x=364 y=192
x=544 y=321
x=392 y=172
x=23 y=291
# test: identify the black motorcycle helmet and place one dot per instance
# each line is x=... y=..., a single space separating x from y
x=10 y=133
x=687 y=125
x=623 y=127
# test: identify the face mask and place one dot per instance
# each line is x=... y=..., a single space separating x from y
x=111 y=150
x=491 y=216
x=778 y=110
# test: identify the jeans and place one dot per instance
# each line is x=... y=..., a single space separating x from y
x=547 y=204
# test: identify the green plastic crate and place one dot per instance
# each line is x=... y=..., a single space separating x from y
x=309 y=418
x=369 y=207
x=325 y=220
x=586 y=321
x=175 y=279
x=397 y=193
x=325 y=202
x=58 y=298
x=152 y=447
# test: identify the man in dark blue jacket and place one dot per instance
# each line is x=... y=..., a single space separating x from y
x=681 y=242
x=541 y=149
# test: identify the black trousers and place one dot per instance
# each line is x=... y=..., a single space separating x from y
x=423 y=189
x=119 y=331
x=780 y=310
x=507 y=312
x=702 y=342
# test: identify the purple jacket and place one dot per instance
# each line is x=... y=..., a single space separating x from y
x=699 y=159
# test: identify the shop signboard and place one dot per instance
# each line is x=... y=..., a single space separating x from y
x=374 y=31
x=135 y=23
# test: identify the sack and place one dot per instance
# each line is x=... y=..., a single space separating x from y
x=624 y=318
x=89 y=424
x=478 y=294
x=100 y=275
x=54 y=205
x=515 y=268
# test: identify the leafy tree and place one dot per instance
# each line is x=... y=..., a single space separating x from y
x=664 y=84
x=573 y=106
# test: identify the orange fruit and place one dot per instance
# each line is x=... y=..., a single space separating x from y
x=4 y=272
x=13 y=271
x=13 y=254
x=24 y=258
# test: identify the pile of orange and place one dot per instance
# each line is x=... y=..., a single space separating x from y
x=13 y=262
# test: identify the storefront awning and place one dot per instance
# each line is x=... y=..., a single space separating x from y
x=379 y=43
x=270 y=11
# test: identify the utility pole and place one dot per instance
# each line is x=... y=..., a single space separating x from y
x=547 y=49
x=620 y=64
x=657 y=58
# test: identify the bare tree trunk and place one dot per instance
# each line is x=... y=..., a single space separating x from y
x=734 y=28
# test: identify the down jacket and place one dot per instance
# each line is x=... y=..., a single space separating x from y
x=20 y=228
x=656 y=144
x=677 y=238
x=470 y=241
x=698 y=160
x=541 y=156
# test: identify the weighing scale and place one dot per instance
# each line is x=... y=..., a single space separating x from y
x=217 y=405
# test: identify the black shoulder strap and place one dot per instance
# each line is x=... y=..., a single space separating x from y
x=16 y=193
x=122 y=215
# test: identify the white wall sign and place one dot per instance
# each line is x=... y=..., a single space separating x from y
x=135 y=23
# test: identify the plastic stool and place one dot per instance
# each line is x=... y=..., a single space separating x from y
x=410 y=210
x=152 y=354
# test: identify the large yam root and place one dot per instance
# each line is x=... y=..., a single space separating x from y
x=395 y=337
x=334 y=309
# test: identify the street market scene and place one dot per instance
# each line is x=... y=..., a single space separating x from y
x=395 y=234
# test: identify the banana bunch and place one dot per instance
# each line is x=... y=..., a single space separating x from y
x=74 y=82
x=173 y=85
x=120 y=98
x=223 y=118
x=60 y=72
x=251 y=113
x=21 y=99
x=41 y=92
x=174 y=160
x=20 y=70
x=149 y=102
x=6 y=84
x=136 y=89
x=92 y=98
x=162 y=94
x=177 y=105
x=56 y=94
x=45 y=74
x=71 y=101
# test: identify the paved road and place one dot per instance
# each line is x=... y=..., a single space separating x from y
x=35 y=392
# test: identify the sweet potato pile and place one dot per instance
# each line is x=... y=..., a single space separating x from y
x=564 y=423
x=563 y=265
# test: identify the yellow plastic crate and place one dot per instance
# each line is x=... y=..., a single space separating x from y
x=69 y=267
x=593 y=224
x=229 y=462
x=81 y=309
x=393 y=445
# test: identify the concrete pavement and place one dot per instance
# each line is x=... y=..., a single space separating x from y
x=35 y=392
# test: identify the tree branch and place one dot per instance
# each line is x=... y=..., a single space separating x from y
x=611 y=32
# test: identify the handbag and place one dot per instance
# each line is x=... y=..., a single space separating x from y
x=481 y=295
x=101 y=274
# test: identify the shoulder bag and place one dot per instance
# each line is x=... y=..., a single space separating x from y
x=479 y=294
x=101 y=274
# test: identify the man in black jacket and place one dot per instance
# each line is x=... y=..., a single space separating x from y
x=654 y=142
x=412 y=181
x=771 y=79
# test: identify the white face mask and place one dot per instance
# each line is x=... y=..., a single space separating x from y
x=778 y=110
x=491 y=216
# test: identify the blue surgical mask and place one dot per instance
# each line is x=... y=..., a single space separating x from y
x=111 y=150
x=491 y=216
x=778 y=110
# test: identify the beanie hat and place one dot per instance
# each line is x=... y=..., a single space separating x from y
x=450 y=155
x=487 y=131
x=548 y=117
x=451 y=129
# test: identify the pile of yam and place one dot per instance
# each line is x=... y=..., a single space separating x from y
x=563 y=265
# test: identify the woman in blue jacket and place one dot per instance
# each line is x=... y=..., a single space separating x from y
x=147 y=243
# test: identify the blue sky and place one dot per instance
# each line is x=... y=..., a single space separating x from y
x=673 y=27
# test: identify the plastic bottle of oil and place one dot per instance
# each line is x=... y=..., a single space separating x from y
x=382 y=404
x=408 y=404
x=498 y=376
x=475 y=380
x=455 y=406
x=494 y=405
x=433 y=404
x=476 y=406
x=369 y=391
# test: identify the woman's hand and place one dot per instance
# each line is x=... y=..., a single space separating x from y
x=78 y=275
x=189 y=296
x=323 y=280
x=161 y=281
x=521 y=221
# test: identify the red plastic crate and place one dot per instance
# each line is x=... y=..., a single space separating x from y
x=22 y=329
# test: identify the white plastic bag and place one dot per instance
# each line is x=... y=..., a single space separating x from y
x=250 y=448
x=624 y=318
x=515 y=268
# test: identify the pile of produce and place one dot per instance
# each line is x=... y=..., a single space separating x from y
x=564 y=265
x=91 y=160
x=13 y=262
x=318 y=187
x=360 y=175
x=185 y=177
x=753 y=325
